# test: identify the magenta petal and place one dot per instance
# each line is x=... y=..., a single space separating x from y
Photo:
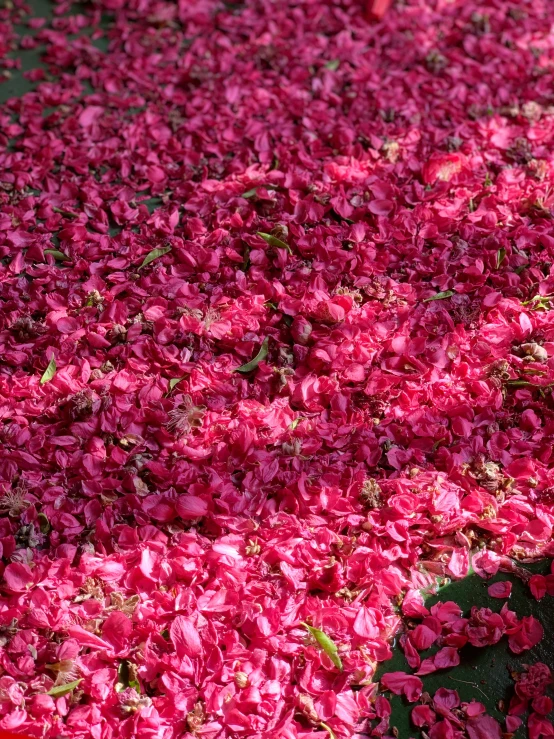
x=185 y=638
x=500 y=589
x=483 y=727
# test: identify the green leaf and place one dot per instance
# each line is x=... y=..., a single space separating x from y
x=333 y=65
x=326 y=643
x=43 y=523
x=253 y=363
x=175 y=381
x=539 y=302
x=58 y=690
x=154 y=254
x=65 y=213
x=250 y=193
x=500 y=256
x=526 y=383
x=295 y=423
x=58 y=255
x=440 y=296
x=274 y=241
x=126 y=673
x=49 y=372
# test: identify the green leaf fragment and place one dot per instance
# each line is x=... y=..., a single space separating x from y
x=49 y=372
x=440 y=296
x=274 y=241
x=175 y=381
x=58 y=255
x=154 y=254
x=126 y=673
x=250 y=193
x=539 y=302
x=43 y=523
x=65 y=213
x=333 y=65
x=253 y=363
x=526 y=383
x=326 y=643
x=500 y=256
x=58 y=690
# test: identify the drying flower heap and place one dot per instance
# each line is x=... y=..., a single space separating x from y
x=277 y=354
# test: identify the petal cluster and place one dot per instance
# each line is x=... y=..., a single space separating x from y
x=277 y=350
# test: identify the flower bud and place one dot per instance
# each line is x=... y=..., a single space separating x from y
x=301 y=330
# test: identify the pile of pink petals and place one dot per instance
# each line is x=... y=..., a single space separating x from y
x=276 y=349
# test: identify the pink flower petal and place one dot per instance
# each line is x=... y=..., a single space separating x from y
x=185 y=638
x=400 y=683
x=483 y=727
x=18 y=577
x=500 y=589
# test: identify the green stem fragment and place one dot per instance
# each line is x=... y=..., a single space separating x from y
x=328 y=729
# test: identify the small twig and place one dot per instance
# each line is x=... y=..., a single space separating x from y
x=466 y=682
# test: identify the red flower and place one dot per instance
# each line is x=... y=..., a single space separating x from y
x=484 y=627
x=525 y=635
x=533 y=682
